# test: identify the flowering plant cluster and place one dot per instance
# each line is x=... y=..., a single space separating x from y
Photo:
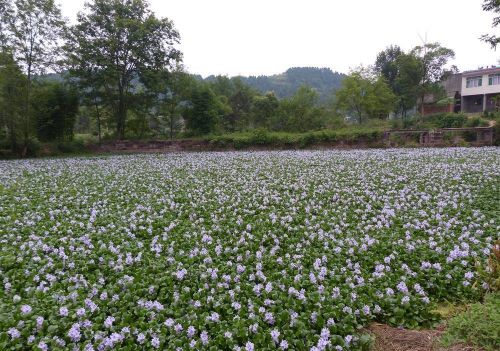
x=237 y=251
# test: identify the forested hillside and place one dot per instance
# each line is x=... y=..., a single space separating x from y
x=323 y=80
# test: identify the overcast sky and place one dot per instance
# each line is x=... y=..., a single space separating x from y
x=253 y=37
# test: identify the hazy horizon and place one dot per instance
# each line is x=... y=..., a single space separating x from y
x=252 y=38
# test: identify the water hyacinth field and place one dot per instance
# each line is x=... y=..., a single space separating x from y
x=248 y=251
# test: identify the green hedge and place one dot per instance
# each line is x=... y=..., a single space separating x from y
x=279 y=139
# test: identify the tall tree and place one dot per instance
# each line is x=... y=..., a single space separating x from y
x=171 y=100
x=434 y=59
x=118 y=44
x=403 y=73
x=492 y=6
x=241 y=104
x=35 y=31
x=12 y=87
x=263 y=109
x=5 y=16
x=365 y=97
x=203 y=115
x=406 y=85
x=239 y=97
x=301 y=112
x=386 y=64
x=55 y=108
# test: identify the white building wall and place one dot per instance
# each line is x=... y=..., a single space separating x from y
x=484 y=89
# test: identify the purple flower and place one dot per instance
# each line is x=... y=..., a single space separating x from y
x=13 y=333
x=140 y=338
x=191 y=331
x=155 y=342
x=169 y=322
x=284 y=344
x=63 y=311
x=275 y=334
x=178 y=328
x=204 y=337
x=74 y=333
x=108 y=323
x=25 y=309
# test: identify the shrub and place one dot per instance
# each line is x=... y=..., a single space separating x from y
x=476 y=122
x=451 y=120
x=71 y=147
x=489 y=273
x=308 y=139
x=479 y=325
x=470 y=136
x=260 y=137
x=33 y=147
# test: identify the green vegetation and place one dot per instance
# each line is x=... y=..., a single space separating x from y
x=123 y=78
x=440 y=120
x=370 y=134
x=492 y=6
x=323 y=80
x=479 y=325
x=365 y=96
x=293 y=250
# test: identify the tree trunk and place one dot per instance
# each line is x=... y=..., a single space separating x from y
x=26 y=127
x=422 y=105
x=121 y=115
x=98 y=115
x=172 y=121
x=12 y=136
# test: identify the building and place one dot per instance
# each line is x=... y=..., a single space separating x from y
x=451 y=102
x=478 y=89
x=468 y=92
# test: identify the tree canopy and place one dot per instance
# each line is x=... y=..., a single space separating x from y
x=116 y=43
x=365 y=96
x=492 y=6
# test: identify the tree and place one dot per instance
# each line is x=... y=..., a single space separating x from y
x=434 y=59
x=492 y=6
x=55 y=107
x=203 y=114
x=263 y=109
x=118 y=45
x=35 y=30
x=172 y=99
x=406 y=85
x=403 y=73
x=381 y=100
x=5 y=16
x=386 y=64
x=239 y=97
x=12 y=92
x=241 y=104
x=301 y=112
x=365 y=97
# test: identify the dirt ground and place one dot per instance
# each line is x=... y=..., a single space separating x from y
x=388 y=338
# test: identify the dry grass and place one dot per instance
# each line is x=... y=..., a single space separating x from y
x=388 y=338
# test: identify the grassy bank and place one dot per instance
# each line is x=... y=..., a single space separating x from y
x=367 y=135
x=260 y=137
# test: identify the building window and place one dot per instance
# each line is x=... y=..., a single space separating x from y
x=494 y=79
x=474 y=82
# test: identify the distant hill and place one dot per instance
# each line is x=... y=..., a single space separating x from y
x=284 y=85
x=324 y=80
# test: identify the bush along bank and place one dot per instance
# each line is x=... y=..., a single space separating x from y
x=258 y=139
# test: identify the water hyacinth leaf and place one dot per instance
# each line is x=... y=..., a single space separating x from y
x=254 y=250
